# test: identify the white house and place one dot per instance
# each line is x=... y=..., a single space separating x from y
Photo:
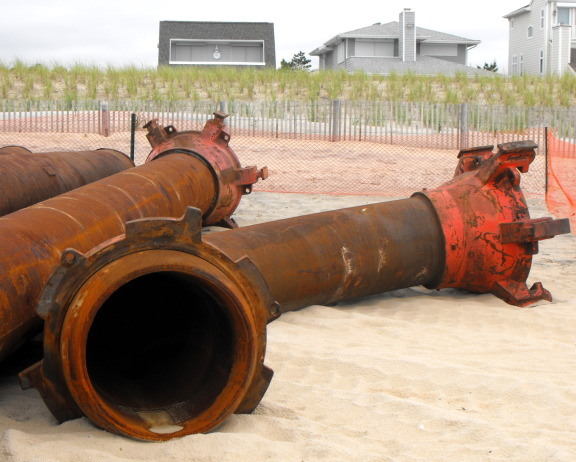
x=542 y=38
x=397 y=46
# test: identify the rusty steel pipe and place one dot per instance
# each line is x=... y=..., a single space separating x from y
x=28 y=178
x=198 y=305
x=34 y=238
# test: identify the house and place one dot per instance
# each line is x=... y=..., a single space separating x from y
x=542 y=38
x=189 y=43
x=397 y=47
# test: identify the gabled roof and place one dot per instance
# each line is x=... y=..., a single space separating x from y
x=524 y=9
x=391 y=30
x=528 y=8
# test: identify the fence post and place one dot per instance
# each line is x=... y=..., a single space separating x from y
x=336 y=119
x=104 y=112
x=132 y=135
x=463 y=144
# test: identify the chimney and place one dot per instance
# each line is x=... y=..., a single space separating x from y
x=407 y=40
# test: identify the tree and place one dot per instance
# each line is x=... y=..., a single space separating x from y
x=285 y=65
x=298 y=62
x=492 y=67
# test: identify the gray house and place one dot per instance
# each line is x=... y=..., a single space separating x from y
x=542 y=38
x=186 y=43
x=399 y=47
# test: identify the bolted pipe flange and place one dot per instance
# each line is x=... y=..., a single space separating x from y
x=489 y=238
x=210 y=146
x=154 y=335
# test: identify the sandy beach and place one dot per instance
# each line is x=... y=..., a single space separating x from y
x=411 y=375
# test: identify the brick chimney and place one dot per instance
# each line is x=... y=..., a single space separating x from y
x=407 y=34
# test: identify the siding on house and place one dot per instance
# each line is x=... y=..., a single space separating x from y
x=525 y=49
x=547 y=48
x=407 y=39
x=561 y=53
x=188 y=42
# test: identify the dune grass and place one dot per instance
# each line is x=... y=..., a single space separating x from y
x=21 y=81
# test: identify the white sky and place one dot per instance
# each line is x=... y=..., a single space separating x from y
x=123 y=32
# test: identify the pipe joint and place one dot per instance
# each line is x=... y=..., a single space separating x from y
x=231 y=180
x=153 y=334
x=489 y=236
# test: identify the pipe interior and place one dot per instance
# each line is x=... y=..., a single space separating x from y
x=162 y=342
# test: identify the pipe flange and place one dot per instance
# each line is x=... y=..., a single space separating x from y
x=154 y=334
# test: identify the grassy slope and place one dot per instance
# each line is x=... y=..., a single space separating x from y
x=79 y=82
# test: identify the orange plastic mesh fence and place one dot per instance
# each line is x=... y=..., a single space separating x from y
x=311 y=165
x=561 y=193
x=387 y=149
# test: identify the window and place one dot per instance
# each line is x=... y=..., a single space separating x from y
x=530 y=31
x=251 y=53
x=563 y=16
x=521 y=64
x=541 y=61
x=374 y=47
x=217 y=52
x=511 y=23
x=541 y=19
x=514 y=64
x=341 y=52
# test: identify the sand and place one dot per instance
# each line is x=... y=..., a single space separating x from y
x=411 y=375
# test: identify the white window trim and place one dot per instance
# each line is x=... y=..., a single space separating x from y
x=218 y=63
x=541 y=62
x=568 y=6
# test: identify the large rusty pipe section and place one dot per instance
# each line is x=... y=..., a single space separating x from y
x=28 y=178
x=197 y=306
x=34 y=238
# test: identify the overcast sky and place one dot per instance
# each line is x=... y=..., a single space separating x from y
x=124 y=32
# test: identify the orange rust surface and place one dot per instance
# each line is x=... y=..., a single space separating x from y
x=28 y=178
x=34 y=238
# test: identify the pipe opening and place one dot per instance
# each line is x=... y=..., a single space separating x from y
x=162 y=347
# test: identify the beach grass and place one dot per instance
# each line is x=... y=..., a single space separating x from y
x=22 y=81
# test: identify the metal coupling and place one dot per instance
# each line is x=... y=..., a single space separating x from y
x=211 y=146
x=153 y=335
x=488 y=233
